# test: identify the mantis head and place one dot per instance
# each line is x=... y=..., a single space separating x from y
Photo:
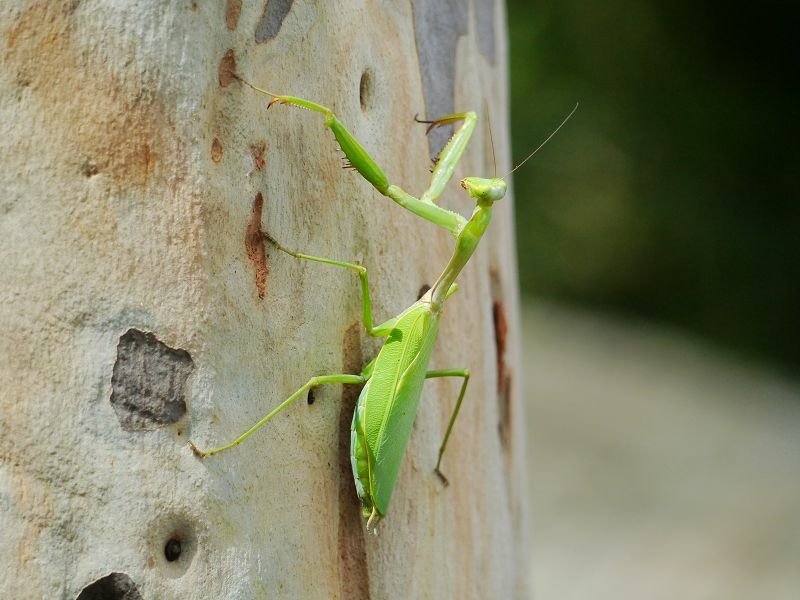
x=484 y=190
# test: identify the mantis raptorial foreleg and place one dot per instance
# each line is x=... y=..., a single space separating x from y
x=310 y=384
x=360 y=160
x=464 y=373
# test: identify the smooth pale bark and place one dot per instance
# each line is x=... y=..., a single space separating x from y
x=140 y=309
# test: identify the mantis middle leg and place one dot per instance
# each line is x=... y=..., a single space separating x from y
x=381 y=330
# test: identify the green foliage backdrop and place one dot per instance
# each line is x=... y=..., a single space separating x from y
x=672 y=194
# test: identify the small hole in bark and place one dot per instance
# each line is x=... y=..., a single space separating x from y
x=172 y=542
x=114 y=586
x=365 y=89
x=311 y=397
x=172 y=549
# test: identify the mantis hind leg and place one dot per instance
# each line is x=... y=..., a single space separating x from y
x=463 y=373
x=311 y=383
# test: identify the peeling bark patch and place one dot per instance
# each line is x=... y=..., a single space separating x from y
x=227 y=68
x=233 y=11
x=269 y=25
x=437 y=26
x=484 y=17
x=257 y=152
x=148 y=382
x=114 y=586
x=216 y=150
x=255 y=246
x=353 y=567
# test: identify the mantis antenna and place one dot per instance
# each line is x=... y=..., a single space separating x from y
x=547 y=139
x=491 y=137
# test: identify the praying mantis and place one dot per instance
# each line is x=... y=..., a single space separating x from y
x=394 y=379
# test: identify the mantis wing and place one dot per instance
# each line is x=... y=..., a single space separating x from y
x=390 y=401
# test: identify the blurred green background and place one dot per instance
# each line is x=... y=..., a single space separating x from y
x=672 y=193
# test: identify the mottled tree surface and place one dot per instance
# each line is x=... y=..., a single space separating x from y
x=139 y=306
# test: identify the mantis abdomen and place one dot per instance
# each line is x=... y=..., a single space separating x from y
x=387 y=405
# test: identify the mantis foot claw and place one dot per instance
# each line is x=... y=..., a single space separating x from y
x=198 y=453
x=441 y=476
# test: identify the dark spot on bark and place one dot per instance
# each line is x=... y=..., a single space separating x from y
x=172 y=549
x=233 y=11
x=255 y=246
x=114 y=586
x=423 y=290
x=147 y=158
x=311 y=397
x=269 y=25
x=89 y=169
x=353 y=566
x=227 y=69
x=437 y=26
x=147 y=385
x=365 y=89
x=216 y=150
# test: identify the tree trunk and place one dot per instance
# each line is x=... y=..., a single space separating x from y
x=141 y=308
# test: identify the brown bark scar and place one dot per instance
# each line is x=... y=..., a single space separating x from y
x=233 y=11
x=255 y=246
x=503 y=374
x=257 y=151
x=216 y=150
x=227 y=68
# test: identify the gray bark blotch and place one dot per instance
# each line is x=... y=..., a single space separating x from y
x=147 y=386
x=484 y=17
x=114 y=586
x=437 y=26
x=269 y=25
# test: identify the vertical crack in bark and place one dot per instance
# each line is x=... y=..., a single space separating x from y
x=255 y=246
x=353 y=567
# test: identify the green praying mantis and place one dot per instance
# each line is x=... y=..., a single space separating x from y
x=393 y=381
